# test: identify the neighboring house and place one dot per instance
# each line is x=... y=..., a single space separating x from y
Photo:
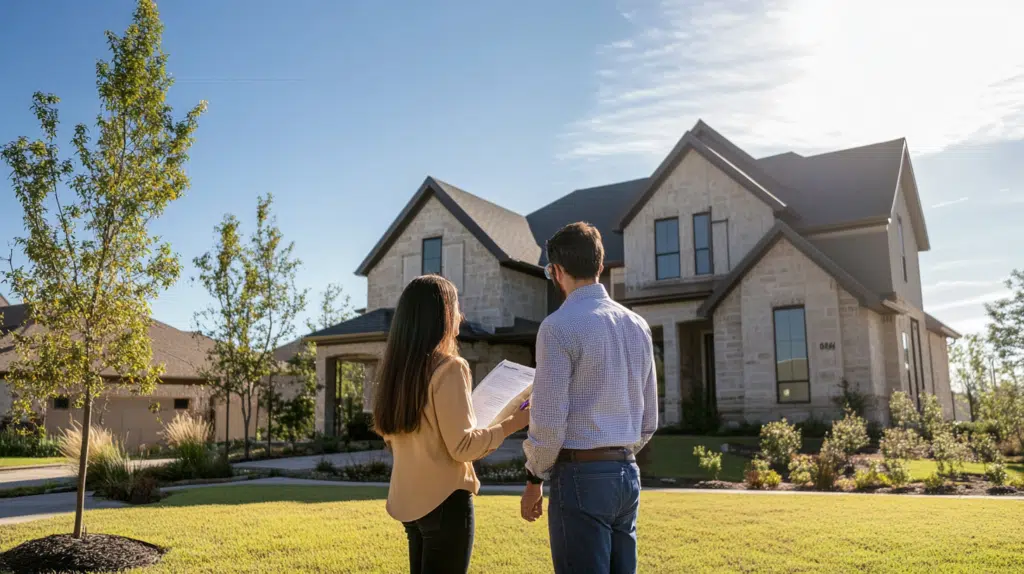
x=766 y=282
x=137 y=420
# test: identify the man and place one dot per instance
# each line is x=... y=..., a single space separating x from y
x=594 y=406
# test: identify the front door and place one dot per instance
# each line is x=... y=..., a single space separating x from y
x=710 y=390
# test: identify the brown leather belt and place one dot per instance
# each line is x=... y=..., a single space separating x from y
x=613 y=454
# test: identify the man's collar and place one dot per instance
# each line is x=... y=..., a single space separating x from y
x=594 y=291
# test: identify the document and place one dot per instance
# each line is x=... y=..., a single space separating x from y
x=501 y=393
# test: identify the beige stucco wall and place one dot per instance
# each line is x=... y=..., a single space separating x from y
x=668 y=316
x=909 y=290
x=482 y=290
x=940 y=361
x=694 y=186
x=523 y=296
x=745 y=352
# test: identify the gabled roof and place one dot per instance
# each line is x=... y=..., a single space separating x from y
x=936 y=326
x=506 y=234
x=779 y=232
x=3 y=302
x=722 y=154
x=375 y=322
x=182 y=353
x=600 y=206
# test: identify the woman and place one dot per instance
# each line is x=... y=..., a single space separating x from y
x=423 y=410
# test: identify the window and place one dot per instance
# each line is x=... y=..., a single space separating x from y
x=181 y=404
x=666 y=248
x=702 y=244
x=61 y=403
x=432 y=256
x=903 y=247
x=791 y=369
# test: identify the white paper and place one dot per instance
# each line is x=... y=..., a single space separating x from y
x=501 y=392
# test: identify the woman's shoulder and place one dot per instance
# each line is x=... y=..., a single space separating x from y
x=450 y=368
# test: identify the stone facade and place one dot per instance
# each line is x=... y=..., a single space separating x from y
x=483 y=357
x=939 y=350
x=694 y=186
x=523 y=296
x=368 y=353
x=668 y=316
x=908 y=290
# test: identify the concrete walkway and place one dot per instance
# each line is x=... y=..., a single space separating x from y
x=56 y=475
x=511 y=450
x=28 y=508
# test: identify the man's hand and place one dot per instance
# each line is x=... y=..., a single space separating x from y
x=532 y=504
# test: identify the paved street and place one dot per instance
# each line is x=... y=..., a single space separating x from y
x=50 y=475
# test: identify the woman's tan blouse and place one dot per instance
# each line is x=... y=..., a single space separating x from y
x=436 y=460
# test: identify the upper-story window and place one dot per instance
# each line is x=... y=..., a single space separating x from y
x=666 y=248
x=792 y=375
x=903 y=247
x=702 y=244
x=431 y=256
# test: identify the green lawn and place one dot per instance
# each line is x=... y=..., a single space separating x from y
x=922 y=469
x=27 y=461
x=671 y=456
x=344 y=529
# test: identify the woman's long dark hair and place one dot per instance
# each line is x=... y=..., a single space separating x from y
x=423 y=334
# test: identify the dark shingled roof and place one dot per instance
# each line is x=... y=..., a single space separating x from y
x=376 y=321
x=601 y=207
x=936 y=326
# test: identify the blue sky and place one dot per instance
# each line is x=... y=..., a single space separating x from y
x=340 y=109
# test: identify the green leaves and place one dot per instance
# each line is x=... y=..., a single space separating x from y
x=1006 y=331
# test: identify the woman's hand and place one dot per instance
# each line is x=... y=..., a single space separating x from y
x=516 y=422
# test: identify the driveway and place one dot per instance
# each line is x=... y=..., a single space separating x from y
x=51 y=474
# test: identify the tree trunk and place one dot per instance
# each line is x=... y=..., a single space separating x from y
x=256 y=418
x=83 y=466
x=246 y=419
x=227 y=427
x=270 y=415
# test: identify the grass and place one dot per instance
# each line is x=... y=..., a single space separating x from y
x=921 y=469
x=345 y=529
x=10 y=461
x=671 y=456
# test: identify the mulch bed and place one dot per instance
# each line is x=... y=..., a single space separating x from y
x=92 y=553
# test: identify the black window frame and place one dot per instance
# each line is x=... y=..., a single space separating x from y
x=707 y=238
x=62 y=403
x=440 y=257
x=903 y=247
x=659 y=254
x=775 y=356
x=177 y=403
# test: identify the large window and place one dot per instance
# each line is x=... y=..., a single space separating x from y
x=702 y=244
x=791 y=369
x=432 y=256
x=903 y=247
x=666 y=248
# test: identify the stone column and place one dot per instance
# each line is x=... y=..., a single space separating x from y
x=670 y=336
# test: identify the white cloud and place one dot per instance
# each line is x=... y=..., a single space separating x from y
x=949 y=203
x=952 y=285
x=807 y=75
x=954 y=264
x=977 y=300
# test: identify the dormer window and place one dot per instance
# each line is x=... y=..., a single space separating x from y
x=666 y=248
x=702 y=244
x=431 y=256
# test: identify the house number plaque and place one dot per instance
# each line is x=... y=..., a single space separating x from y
x=827 y=346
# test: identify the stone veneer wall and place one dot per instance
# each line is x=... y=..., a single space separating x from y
x=694 y=186
x=668 y=316
x=483 y=357
x=940 y=356
x=745 y=354
x=481 y=294
x=909 y=290
x=523 y=296
x=369 y=353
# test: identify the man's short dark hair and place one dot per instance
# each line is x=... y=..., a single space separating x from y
x=578 y=249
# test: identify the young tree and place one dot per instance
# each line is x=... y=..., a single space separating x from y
x=93 y=266
x=1006 y=331
x=254 y=307
x=296 y=417
x=970 y=360
x=334 y=308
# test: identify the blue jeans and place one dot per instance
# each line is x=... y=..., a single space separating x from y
x=592 y=517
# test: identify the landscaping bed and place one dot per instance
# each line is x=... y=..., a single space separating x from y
x=91 y=553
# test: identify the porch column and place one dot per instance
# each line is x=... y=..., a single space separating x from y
x=670 y=336
x=330 y=380
x=369 y=377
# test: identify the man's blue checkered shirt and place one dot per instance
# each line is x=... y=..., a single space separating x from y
x=595 y=384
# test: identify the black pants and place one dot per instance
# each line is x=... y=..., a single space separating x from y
x=442 y=541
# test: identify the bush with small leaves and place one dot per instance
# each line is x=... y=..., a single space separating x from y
x=845 y=484
x=904 y=413
x=801 y=469
x=779 y=442
x=932 y=420
x=710 y=462
x=872 y=478
x=898 y=472
x=326 y=466
x=996 y=473
x=935 y=483
x=849 y=435
x=900 y=444
x=828 y=465
x=985 y=447
x=950 y=453
x=760 y=476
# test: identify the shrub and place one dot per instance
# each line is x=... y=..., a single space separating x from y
x=872 y=478
x=849 y=435
x=710 y=462
x=850 y=399
x=513 y=471
x=376 y=471
x=828 y=465
x=996 y=473
x=935 y=483
x=325 y=465
x=25 y=443
x=971 y=429
x=760 y=476
x=845 y=484
x=932 y=420
x=802 y=469
x=900 y=444
x=875 y=431
x=899 y=472
x=984 y=447
x=134 y=487
x=187 y=437
x=779 y=442
x=902 y=410
x=813 y=428
x=949 y=453
x=105 y=454
x=326 y=444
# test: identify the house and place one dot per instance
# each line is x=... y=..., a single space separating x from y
x=136 y=420
x=767 y=282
